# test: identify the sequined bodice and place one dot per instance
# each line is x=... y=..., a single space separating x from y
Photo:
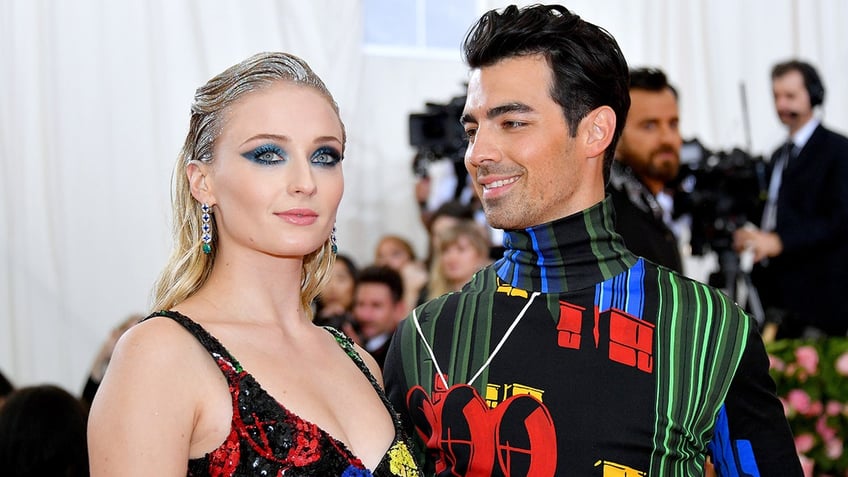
x=265 y=438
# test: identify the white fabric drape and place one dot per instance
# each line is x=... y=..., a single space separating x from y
x=94 y=107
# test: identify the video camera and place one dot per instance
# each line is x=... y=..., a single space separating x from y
x=437 y=133
x=721 y=191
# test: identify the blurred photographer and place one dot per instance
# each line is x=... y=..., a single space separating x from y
x=800 y=248
x=648 y=158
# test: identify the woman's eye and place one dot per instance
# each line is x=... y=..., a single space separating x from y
x=326 y=156
x=266 y=154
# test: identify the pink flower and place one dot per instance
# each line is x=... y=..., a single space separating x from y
x=776 y=363
x=808 y=358
x=841 y=364
x=791 y=368
x=799 y=400
x=816 y=409
x=834 y=448
x=826 y=432
x=833 y=408
x=804 y=442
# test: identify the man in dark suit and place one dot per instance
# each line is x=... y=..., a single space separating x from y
x=378 y=307
x=646 y=159
x=801 y=246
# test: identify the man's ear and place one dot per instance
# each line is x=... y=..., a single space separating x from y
x=600 y=128
x=200 y=182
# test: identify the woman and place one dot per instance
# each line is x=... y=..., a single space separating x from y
x=334 y=305
x=257 y=186
x=463 y=249
x=397 y=253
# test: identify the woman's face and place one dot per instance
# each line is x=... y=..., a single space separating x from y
x=276 y=179
x=392 y=254
x=460 y=260
x=438 y=227
x=340 y=287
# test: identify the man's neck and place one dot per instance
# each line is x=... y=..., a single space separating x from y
x=800 y=123
x=800 y=135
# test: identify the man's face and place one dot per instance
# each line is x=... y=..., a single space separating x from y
x=374 y=309
x=791 y=100
x=650 y=142
x=524 y=164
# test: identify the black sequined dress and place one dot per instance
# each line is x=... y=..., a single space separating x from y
x=266 y=439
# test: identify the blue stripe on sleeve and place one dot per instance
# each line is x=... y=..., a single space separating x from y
x=730 y=460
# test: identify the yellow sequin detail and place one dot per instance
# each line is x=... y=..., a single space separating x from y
x=401 y=462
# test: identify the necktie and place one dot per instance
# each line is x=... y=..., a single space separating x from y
x=787 y=153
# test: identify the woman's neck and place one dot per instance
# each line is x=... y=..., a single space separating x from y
x=255 y=288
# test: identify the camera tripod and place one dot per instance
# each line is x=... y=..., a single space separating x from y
x=735 y=277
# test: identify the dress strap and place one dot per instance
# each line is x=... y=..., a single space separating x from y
x=346 y=344
x=225 y=361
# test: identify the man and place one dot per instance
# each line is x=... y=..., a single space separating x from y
x=647 y=158
x=800 y=245
x=570 y=355
x=377 y=308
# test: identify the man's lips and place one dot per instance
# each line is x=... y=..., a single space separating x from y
x=499 y=183
x=493 y=187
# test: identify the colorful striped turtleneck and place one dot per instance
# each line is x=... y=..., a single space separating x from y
x=571 y=253
x=571 y=356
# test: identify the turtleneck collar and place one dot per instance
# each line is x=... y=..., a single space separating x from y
x=571 y=253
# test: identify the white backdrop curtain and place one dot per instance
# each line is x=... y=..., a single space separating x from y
x=95 y=101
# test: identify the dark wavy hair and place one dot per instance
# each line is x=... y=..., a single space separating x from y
x=384 y=275
x=650 y=79
x=589 y=69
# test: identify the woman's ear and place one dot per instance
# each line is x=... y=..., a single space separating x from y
x=600 y=128
x=200 y=182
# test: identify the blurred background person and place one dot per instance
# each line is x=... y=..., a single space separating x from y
x=447 y=215
x=800 y=248
x=647 y=158
x=393 y=251
x=397 y=253
x=43 y=432
x=378 y=308
x=463 y=249
x=334 y=305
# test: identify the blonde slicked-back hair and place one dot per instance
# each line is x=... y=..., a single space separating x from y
x=188 y=267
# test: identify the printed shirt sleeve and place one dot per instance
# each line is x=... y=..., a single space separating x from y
x=752 y=436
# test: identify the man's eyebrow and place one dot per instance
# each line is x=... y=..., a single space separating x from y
x=498 y=111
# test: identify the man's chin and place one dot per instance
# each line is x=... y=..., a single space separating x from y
x=503 y=221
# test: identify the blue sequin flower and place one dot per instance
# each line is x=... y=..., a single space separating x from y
x=353 y=471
